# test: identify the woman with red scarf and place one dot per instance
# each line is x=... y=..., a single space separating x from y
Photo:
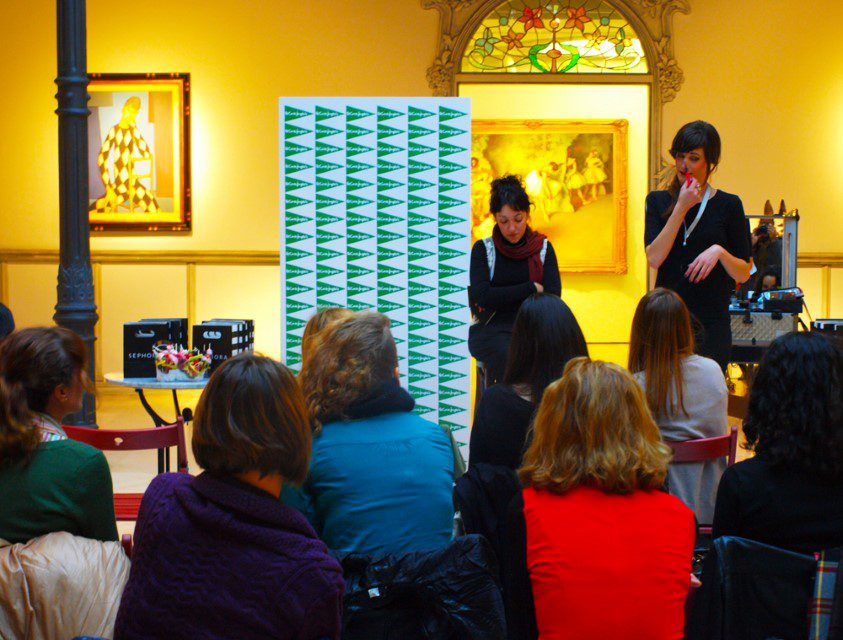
x=506 y=268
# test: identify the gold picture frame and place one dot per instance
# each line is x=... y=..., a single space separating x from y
x=575 y=172
x=139 y=152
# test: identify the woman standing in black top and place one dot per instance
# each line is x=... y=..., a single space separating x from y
x=698 y=238
x=544 y=337
x=506 y=268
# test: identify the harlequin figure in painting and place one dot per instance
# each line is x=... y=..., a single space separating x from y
x=125 y=187
x=594 y=175
x=698 y=239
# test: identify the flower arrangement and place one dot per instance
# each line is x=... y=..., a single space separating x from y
x=175 y=363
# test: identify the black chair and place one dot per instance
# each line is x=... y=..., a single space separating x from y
x=752 y=591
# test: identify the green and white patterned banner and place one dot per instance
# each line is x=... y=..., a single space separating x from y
x=375 y=215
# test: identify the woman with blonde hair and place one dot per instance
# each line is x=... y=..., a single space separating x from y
x=317 y=324
x=608 y=552
x=686 y=392
x=380 y=476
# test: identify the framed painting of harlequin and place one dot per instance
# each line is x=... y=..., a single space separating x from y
x=139 y=152
x=575 y=173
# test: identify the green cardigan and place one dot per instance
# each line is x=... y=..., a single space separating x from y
x=66 y=486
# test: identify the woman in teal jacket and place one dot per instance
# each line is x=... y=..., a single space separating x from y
x=380 y=477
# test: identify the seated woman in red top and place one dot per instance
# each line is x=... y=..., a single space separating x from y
x=608 y=552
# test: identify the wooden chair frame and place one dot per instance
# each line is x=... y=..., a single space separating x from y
x=126 y=505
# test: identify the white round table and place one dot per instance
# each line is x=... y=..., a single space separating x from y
x=141 y=384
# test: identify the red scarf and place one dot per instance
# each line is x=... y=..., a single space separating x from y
x=529 y=250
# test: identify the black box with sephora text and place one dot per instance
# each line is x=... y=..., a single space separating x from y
x=178 y=329
x=138 y=339
x=250 y=329
x=225 y=339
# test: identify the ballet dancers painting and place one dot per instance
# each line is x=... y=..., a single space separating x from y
x=575 y=173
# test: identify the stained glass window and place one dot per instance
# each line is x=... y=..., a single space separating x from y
x=537 y=36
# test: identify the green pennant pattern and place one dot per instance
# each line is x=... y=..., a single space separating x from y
x=299 y=228
x=421 y=229
x=454 y=139
x=391 y=181
x=375 y=215
x=329 y=128
x=361 y=193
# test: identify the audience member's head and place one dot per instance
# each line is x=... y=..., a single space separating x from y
x=769 y=280
x=795 y=415
x=661 y=336
x=353 y=359
x=593 y=428
x=545 y=336
x=252 y=417
x=42 y=370
x=7 y=321
x=319 y=322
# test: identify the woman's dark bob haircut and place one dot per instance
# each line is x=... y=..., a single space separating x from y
x=545 y=336
x=509 y=190
x=698 y=135
x=795 y=416
x=252 y=417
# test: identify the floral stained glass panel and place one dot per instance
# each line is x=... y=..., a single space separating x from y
x=545 y=37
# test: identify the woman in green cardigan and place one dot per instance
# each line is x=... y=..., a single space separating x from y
x=48 y=482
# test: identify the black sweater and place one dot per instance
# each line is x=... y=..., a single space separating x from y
x=500 y=427
x=723 y=222
x=780 y=507
x=511 y=283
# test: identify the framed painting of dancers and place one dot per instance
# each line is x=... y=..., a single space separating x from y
x=575 y=173
x=139 y=152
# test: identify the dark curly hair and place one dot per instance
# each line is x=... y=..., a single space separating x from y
x=795 y=415
x=508 y=190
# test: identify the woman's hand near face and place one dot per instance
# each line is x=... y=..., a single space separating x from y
x=689 y=195
x=702 y=265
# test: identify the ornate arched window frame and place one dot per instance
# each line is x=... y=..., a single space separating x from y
x=651 y=19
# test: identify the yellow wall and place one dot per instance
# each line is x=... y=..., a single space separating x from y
x=762 y=73
x=241 y=56
x=603 y=304
x=772 y=84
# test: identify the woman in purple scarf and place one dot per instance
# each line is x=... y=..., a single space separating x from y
x=219 y=555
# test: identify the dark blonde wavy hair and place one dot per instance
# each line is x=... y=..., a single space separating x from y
x=593 y=428
x=352 y=358
x=319 y=322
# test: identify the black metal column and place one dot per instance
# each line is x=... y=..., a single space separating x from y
x=75 y=308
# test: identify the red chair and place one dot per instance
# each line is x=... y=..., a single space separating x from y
x=126 y=505
x=704 y=449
